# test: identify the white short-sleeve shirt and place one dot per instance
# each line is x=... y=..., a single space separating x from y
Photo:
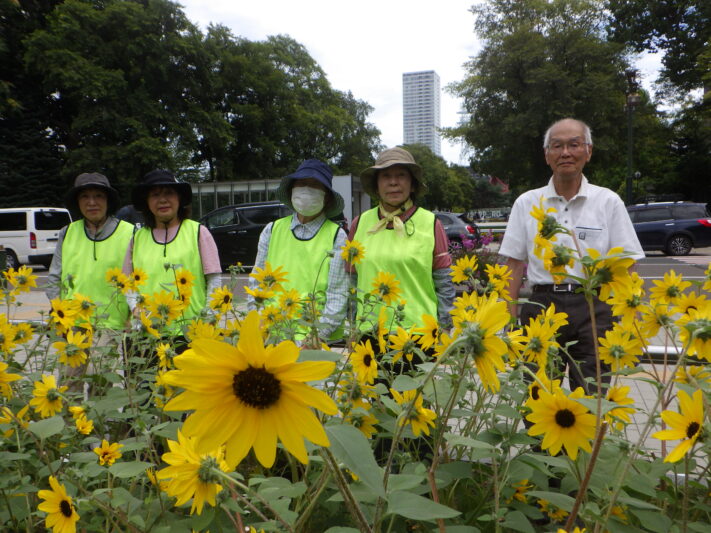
x=596 y=215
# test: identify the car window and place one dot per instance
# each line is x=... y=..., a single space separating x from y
x=262 y=214
x=652 y=214
x=689 y=211
x=51 y=220
x=444 y=218
x=226 y=217
x=13 y=221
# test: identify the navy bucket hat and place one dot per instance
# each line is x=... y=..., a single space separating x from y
x=159 y=178
x=320 y=171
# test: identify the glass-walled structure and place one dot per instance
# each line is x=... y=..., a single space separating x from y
x=210 y=196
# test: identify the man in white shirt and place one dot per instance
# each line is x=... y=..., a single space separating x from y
x=599 y=220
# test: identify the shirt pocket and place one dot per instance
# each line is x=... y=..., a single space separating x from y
x=590 y=237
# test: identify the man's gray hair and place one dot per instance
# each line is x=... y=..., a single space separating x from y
x=587 y=132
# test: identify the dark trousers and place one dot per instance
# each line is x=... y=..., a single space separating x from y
x=579 y=328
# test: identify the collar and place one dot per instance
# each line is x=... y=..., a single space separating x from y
x=316 y=222
x=583 y=191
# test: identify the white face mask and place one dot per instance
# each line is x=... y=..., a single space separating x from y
x=307 y=201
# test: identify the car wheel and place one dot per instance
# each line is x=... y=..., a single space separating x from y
x=11 y=260
x=678 y=245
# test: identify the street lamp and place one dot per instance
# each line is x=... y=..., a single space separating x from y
x=632 y=101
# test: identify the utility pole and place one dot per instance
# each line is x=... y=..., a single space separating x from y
x=632 y=101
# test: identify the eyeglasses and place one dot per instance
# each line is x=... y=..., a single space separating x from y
x=575 y=145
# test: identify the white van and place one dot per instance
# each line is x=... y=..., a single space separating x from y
x=29 y=234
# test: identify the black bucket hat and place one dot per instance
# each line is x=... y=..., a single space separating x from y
x=320 y=171
x=159 y=178
x=92 y=180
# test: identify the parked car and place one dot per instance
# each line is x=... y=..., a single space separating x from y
x=673 y=227
x=29 y=234
x=457 y=229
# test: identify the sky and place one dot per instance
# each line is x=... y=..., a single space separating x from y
x=365 y=47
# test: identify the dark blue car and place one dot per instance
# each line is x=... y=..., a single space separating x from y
x=673 y=227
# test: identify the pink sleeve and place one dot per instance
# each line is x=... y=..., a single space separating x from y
x=441 y=257
x=128 y=259
x=208 y=252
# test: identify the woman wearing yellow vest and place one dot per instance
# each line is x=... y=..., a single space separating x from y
x=89 y=247
x=307 y=245
x=171 y=239
x=404 y=240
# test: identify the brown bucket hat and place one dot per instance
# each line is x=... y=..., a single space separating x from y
x=388 y=158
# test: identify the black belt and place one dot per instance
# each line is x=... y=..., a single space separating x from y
x=557 y=287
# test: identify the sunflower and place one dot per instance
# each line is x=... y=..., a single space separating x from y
x=269 y=279
x=247 y=396
x=627 y=300
x=84 y=425
x=556 y=259
x=163 y=306
x=405 y=343
x=147 y=325
x=117 y=279
x=386 y=287
x=520 y=489
x=137 y=278
x=61 y=513
x=541 y=245
x=608 y=273
x=619 y=416
x=221 y=299
x=689 y=301
x=184 y=282
x=443 y=343
x=77 y=411
x=5 y=380
x=541 y=383
x=108 y=452
x=86 y=306
x=553 y=319
x=10 y=418
x=654 y=317
x=693 y=375
x=499 y=278
x=429 y=332
x=563 y=422
x=64 y=312
x=419 y=417
x=359 y=416
x=707 y=280
x=540 y=212
x=289 y=302
x=23 y=332
x=383 y=329
x=8 y=332
x=554 y=513
x=161 y=390
x=481 y=341
x=203 y=330
x=538 y=338
x=47 y=399
x=352 y=252
x=696 y=331
x=364 y=364
x=464 y=269
x=668 y=290
x=259 y=294
x=271 y=315
x=73 y=352
x=515 y=343
x=192 y=474
x=22 y=279
x=620 y=348
x=685 y=425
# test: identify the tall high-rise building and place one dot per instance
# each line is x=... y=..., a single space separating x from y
x=420 y=109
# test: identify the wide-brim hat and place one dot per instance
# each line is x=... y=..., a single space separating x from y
x=388 y=158
x=320 y=171
x=92 y=180
x=159 y=178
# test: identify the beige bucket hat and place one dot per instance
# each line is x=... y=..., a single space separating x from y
x=388 y=158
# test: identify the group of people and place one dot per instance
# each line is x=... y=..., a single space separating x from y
x=399 y=238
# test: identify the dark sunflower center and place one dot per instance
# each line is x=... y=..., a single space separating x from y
x=367 y=359
x=52 y=395
x=227 y=299
x=692 y=429
x=66 y=508
x=256 y=387
x=565 y=418
x=384 y=289
x=60 y=313
x=534 y=392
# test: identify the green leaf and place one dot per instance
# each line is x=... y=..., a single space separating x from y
x=47 y=427
x=418 y=508
x=351 y=447
x=460 y=440
x=339 y=529
x=639 y=504
x=652 y=520
x=319 y=355
x=517 y=521
x=459 y=529
x=129 y=469
x=561 y=501
x=403 y=383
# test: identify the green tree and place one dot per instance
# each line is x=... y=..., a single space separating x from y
x=542 y=61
